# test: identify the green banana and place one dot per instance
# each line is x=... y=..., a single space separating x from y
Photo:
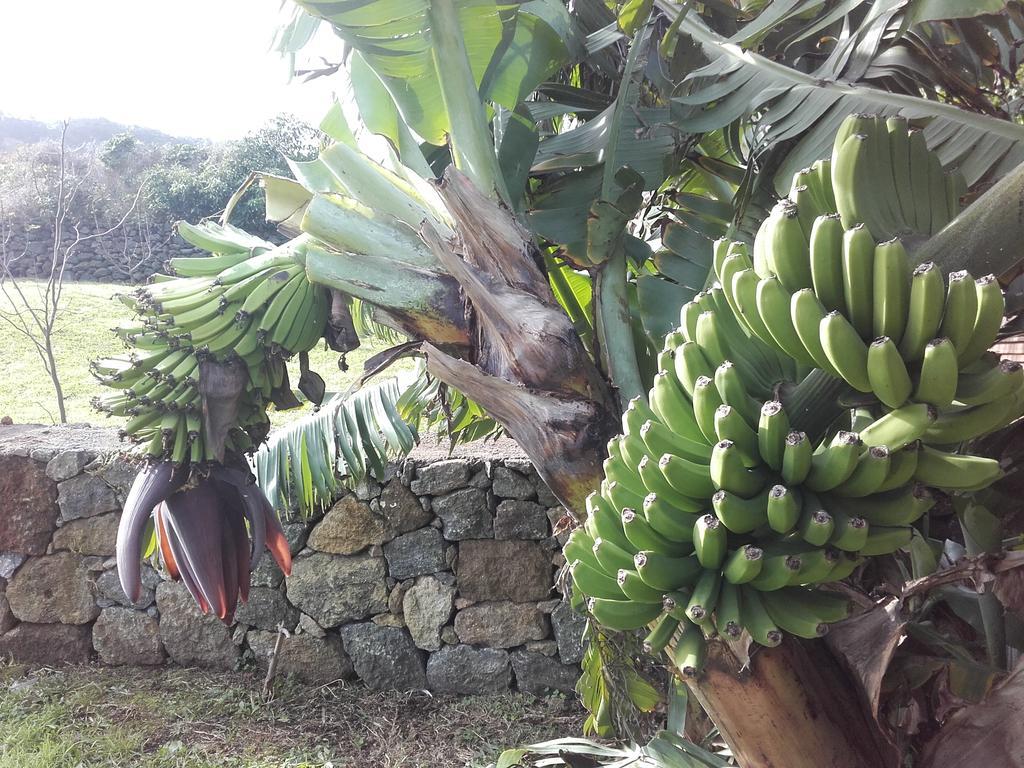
x=728 y=618
x=672 y=407
x=604 y=521
x=656 y=483
x=858 y=279
x=580 y=548
x=772 y=428
x=1000 y=382
x=937 y=380
x=710 y=339
x=807 y=313
x=783 y=508
x=687 y=477
x=690 y=651
x=634 y=588
x=773 y=304
x=815 y=525
x=643 y=537
x=704 y=597
x=988 y=320
x=611 y=557
x=962 y=424
x=594 y=583
x=924 y=316
x=729 y=473
x=955 y=471
x=729 y=425
x=899 y=427
x=850 y=533
x=743 y=565
x=797 y=455
x=763 y=630
x=709 y=541
x=890 y=289
x=883 y=541
x=660 y=440
x=899 y=163
x=871 y=471
x=665 y=572
x=902 y=465
x=690 y=364
x=901 y=506
x=745 y=285
x=668 y=520
x=729 y=384
x=960 y=310
x=659 y=637
x=826 y=261
x=793 y=616
x=845 y=350
x=706 y=400
x=622 y=615
x=787 y=247
x=817 y=565
x=887 y=373
x=777 y=571
x=738 y=514
x=833 y=463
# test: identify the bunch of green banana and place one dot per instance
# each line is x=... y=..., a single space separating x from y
x=715 y=515
x=247 y=301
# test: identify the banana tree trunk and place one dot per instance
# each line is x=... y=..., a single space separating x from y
x=790 y=707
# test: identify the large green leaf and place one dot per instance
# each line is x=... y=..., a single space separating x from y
x=808 y=107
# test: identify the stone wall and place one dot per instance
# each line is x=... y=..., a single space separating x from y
x=124 y=256
x=441 y=577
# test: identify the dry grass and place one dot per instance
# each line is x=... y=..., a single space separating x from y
x=176 y=718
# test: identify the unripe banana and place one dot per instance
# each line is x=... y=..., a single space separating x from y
x=988 y=320
x=887 y=373
x=901 y=506
x=1000 y=382
x=710 y=338
x=796 y=458
x=616 y=470
x=848 y=563
x=622 y=615
x=690 y=651
x=787 y=247
x=807 y=313
x=729 y=473
x=580 y=548
x=673 y=340
x=924 y=316
x=743 y=565
x=890 y=290
x=777 y=571
x=690 y=364
x=704 y=597
x=871 y=471
x=706 y=400
x=687 y=477
x=884 y=541
x=899 y=427
x=730 y=386
x=675 y=603
x=808 y=208
x=744 y=290
x=899 y=160
x=763 y=630
x=902 y=465
x=656 y=483
x=740 y=515
x=604 y=521
x=817 y=565
x=773 y=304
x=669 y=520
x=826 y=261
x=937 y=379
x=620 y=496
x=709 y=542
x=832 y=464
x=688 y=315
x=594 y=583
x=729 y=425
x=658 y=638
x=858 y=279
x=643 y=537
x=968 y=423
x=666 y=573
x=816 y=524
x=920 y=160
x=672 y=407
x=783 y=508
x=937 y=189
x=728 y=618
x=960 y=311
x=635 y=589
x=660 y=440
x=852 y=169
x=955 y=471
x=611 y=557
x=850 y=533
x=793 y=616
x=772 y=428
x=845 y=350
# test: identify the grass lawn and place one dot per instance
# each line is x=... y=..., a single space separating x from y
x=86 y=717
x=26 y=394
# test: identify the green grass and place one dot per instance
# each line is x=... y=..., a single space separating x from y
x=92 y=717
x=83 y=334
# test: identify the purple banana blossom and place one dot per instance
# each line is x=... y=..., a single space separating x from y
x=211 y=532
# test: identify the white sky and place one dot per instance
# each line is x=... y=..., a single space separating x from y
x=199 y=68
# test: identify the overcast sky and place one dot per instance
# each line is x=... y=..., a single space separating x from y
x=187 y=67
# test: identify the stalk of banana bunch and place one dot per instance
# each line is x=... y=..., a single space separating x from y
x=205 y=358
x=717 y=514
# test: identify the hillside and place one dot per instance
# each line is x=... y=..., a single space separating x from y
x=15 y=131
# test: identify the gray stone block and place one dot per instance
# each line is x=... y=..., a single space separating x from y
x=500 y=625
x=385 y=658
x=509 y=484
x=520 y=571
x=464 y=514
x=440 y=477
x=415 y=554
x=462 y=669
x=539 y=674
x=338 y=588
x=520 y=520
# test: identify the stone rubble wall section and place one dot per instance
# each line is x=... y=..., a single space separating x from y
x=122 y=256
x=441 y=577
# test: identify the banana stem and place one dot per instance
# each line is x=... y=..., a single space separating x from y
x=991 y=609
x=813 y=404
x=985 y=238
x=614 y=331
